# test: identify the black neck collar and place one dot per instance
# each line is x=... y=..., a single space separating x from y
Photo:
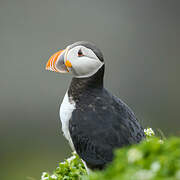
x=80 y=85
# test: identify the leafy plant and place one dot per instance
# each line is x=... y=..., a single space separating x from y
x=71 y=169
x=149 y=160
x=152 y=159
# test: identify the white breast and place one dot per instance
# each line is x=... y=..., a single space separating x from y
x=66 y=110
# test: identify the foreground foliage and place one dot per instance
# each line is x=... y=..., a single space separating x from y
x=70 y=169
x=152 y=159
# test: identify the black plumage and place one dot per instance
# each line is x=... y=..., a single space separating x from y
x=100 y=122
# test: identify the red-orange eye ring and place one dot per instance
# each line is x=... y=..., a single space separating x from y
x=80 y=53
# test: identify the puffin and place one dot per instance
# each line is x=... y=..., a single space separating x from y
x=94 y=121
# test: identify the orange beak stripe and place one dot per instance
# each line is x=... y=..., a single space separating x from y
x=51 y=64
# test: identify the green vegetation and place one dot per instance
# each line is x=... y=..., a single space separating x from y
x=71 y=169
x=152 y=159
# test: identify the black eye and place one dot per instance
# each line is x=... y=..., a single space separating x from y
x=80 y=53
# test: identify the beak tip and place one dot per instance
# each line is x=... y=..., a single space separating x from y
x=47 y=67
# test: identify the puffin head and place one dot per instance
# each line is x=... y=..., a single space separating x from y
x=82 y=58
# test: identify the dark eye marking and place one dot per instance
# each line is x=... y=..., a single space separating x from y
x=80 y=53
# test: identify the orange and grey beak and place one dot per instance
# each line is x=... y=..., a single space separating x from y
x=58 y=62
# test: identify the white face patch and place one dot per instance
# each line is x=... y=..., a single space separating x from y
x=85 y=65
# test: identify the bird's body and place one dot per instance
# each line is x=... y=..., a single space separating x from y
x=98 y=122
x=95 y=122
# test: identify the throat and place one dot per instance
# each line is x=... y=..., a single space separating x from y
x=79 y=86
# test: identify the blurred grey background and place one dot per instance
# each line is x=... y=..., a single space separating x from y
x=140 y=41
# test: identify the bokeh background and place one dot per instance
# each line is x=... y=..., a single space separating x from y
x=140 y=41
